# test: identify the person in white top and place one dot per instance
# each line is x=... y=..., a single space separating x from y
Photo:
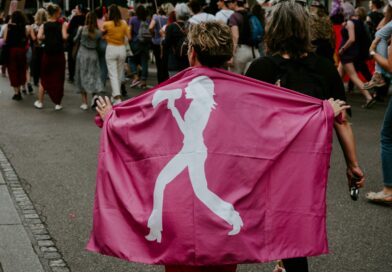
x=199 y=15
x=226 y=10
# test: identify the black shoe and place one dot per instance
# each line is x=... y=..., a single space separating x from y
x=17 y=97
x=30 y=88
x=123 y=90
x=24 y=91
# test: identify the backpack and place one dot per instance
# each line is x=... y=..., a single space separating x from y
x=180 y=48
x=300 y=76
x=249 y=32
x=144 y=35
x=256 y=29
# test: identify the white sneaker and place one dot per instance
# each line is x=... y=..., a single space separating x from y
x=84 y=107
x=116 y=101
x=58 y=107
x=38 y=104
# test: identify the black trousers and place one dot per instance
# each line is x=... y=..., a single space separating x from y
x=162 y=73
x=296 y=264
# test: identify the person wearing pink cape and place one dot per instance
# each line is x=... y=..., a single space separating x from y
x=210 y=44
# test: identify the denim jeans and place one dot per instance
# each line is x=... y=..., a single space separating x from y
x=386 y=146
x=382 y=47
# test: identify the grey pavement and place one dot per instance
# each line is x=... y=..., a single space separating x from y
x=16 y=251
x=54 y=155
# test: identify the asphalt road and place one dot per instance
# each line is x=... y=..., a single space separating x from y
x=55 y=155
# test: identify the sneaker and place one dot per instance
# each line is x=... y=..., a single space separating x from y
x=376 y=81
x=30 y=88
x=38 y=104
x=94 y=101
x=58 y=107
x=116 y=101
x=135 y=83
x=17 y=97
x=84 y=107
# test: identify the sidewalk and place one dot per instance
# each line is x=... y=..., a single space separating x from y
x=16 y=250
x=25 y=243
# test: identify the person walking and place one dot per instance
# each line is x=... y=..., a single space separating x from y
x=156 y=24
x=244 y=50
x=210 y=45
x=384 y=196
x=102 y=46
x=350 y=50
x=226 y=9
x=295 y=66
x=37 y=50
x=116 y=33
x=16 y=39
x=87 y=69
x=175 y=37
x=76 y=21
x=53 y=34
x=140 y=43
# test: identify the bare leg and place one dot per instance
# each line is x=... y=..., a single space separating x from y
x=41 y=93
x=84 y=97
x=217 y=205
x=350 y=70
x=168 y=173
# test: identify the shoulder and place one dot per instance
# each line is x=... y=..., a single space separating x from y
x=107 y=24
x=264 y=69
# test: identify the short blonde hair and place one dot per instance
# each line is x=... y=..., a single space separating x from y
x=212 y=42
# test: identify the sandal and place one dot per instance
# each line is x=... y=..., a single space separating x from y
x=369 y=103
x=379 y=197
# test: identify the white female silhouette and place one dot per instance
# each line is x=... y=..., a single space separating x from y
x=192 y=155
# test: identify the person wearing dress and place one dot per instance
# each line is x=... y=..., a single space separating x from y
x=15 y=37
x=87 y=69
x=52 y=34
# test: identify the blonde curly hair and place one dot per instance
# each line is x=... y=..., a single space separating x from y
x=212 y=42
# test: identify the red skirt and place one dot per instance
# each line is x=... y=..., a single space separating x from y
x=17 y=66
x=211 y=268
x=53 y=76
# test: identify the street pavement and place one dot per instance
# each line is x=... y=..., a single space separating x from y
x=54 y=156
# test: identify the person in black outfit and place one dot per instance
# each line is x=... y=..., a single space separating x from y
x=77 y=20
x=288 y=41
x=374 y=16
x=174 y=43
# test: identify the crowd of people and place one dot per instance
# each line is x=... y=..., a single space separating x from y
x=102 y=42
x=287 y=43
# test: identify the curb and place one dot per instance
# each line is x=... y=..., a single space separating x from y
x=44 y=245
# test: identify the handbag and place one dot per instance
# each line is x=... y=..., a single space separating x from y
x=76 y=45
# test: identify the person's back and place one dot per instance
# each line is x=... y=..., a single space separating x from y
x=53 y=41
x=115 y=33
x=311 y=75
x=16 y=36
x=89 y=41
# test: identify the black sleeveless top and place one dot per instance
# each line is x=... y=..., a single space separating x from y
x=53 y=41
x=16 y=36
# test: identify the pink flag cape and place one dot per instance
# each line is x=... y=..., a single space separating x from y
x=213 y=168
